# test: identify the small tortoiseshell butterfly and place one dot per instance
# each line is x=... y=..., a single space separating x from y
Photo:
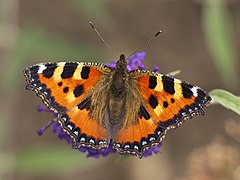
x=97 y=105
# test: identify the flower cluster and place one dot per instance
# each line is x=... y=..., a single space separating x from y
x=135 y=62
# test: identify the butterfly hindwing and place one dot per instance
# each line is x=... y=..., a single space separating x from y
x=139 y=137
x=66 y=88
x=79 y=124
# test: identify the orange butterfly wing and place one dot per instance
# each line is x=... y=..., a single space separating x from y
x=166 y=103
x=66 y=88
x=170 y=101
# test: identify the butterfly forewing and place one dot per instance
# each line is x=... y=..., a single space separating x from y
x=169 y=100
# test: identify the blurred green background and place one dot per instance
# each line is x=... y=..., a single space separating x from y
x=201 y=38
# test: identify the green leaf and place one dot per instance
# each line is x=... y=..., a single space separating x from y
x=218 y=30
x=226 y=99
x=52 y=159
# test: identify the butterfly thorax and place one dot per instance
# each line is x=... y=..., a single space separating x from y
x=119 y=78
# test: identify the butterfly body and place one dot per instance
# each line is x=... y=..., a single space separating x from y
x=100 y=107
x=117 y=93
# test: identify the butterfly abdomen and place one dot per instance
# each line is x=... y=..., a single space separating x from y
x=116 y=110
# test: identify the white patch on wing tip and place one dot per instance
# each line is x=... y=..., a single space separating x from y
x=41 y=68
x=194 y=90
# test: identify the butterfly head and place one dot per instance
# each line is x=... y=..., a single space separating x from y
x=121 y=68
x=121 y=63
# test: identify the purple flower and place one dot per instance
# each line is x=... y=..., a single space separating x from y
x=112 y=65
x=155 y=69
x=134 y=62
x=152 y=150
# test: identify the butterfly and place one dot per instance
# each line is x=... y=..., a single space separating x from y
x=100 y=107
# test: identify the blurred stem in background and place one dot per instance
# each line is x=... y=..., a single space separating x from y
x=8 y=35
x=219 y=31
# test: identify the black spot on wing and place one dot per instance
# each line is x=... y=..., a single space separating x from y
x=152 y=82
x=69 y=70
x=201 y=94
x=144 y=113
x=78 y=91
x=85 y=72
x=165 y=104
x=66 y=89
x=49 y=71
x=186 y=91
x=153 y=101
x=168 y=84
x=32 y=70
x=85 y=104
x=202 y=97
x=60 y=84
x=187 y=84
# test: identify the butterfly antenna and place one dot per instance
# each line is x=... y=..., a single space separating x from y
x=146 y=43
x=100 y=36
